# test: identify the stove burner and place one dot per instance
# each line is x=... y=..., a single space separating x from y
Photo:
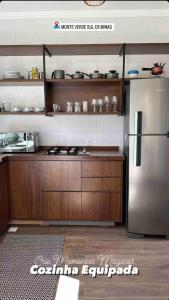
x=63 y=151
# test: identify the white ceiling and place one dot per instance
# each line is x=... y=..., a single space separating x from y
x=78 y=9
x=25 y=6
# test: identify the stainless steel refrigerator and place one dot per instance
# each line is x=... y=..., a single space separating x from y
x=146 y=145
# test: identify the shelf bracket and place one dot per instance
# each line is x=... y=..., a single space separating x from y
x=121 y=52
x=47 y=50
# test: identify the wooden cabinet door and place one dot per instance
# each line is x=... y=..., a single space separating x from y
x=61 y=176
x=64 y=206
x=101 y=206
x=4 y=189
x=101 y=169
x=24 y=190
x=101 y=184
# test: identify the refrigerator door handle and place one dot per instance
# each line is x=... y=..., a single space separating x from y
x=137 y=137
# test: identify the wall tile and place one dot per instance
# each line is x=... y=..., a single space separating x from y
x=73 y=138
x=77 y=123
x=48 y=138
x=109 y=123
x=111 y=138
x=9 y=123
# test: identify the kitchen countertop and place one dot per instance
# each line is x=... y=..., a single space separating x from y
x=41 y=155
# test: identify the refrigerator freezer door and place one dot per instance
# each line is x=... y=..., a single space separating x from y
x=148 y=204
x=151 y=98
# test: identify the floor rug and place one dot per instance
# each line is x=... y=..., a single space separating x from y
x=17 y=254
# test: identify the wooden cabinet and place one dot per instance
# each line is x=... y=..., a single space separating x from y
x=102 y=190
x=82 y=190
x=101 y=184
x=101 y=169
x=24 y=190
x=4 y=199
x=66 y=190
x=101 y=206
x=62 y=206
x=61 y=175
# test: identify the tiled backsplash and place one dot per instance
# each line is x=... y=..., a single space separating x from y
x=69 y=130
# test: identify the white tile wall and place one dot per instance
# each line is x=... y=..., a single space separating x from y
x=71 y=130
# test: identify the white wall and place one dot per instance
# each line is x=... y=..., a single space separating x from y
x=65 y=130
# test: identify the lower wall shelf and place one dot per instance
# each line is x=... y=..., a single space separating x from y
x=80 y=113
x=22 y=113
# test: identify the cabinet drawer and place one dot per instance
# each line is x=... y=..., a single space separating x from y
x=61 y=176
x=101 y=184
x=101 y=206
x=61 y=205
x=102 y=169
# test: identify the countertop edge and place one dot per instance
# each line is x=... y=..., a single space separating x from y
x=40 y=156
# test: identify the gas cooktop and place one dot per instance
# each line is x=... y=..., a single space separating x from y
x=63 y=151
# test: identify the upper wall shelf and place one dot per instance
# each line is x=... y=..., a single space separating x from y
x=85 y=49
x=21 y=82
x=147 y=48
x=21 y=50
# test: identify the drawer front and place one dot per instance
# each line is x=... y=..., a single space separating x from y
x=61 y=176
x=61 y=205
x=101 y=206
x=102 y=169
x=101 y=184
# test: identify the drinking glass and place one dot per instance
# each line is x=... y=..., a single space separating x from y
x=115 y=104
x=77 y=107
x=100 y=104
x=69 y=107
x=107 y=103
x=85 y=106
x=94 y=104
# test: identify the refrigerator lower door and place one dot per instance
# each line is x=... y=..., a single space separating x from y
x=148 y=200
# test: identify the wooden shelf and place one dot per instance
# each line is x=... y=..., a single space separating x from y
x=81 y=113
x=23 y=113
x=21 y=50
x=21 y=82
x=84 y=49
x=147 y=48
x=83 y=81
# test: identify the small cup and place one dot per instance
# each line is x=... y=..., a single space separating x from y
x=37 y=109
x=55 y=107
x=6 y=106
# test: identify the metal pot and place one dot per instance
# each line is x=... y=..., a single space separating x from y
x=112 y=74
x=95 y=75
x=77 y=75
x=158 y=69
x=58 y=74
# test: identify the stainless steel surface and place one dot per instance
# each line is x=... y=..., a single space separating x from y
x=18 y=142
x=149 y=187
x=147 y=152
x=151 y=96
